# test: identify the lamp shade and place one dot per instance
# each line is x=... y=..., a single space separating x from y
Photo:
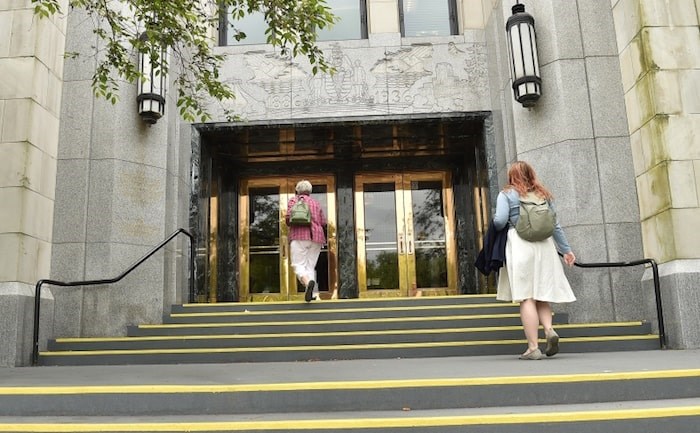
x=151 y=86
x=524 y=63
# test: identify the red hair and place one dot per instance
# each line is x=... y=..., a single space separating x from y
x=522 y=178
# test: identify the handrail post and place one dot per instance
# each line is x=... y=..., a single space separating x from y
x=37 y=309
x=192 y=269
x=657 y=287
x=659 y=308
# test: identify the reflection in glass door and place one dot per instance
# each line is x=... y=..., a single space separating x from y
x=265 y=270
x=264 y=267
x=405 y=234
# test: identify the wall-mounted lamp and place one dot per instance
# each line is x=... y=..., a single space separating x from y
x=151 y=88
x=524 y=64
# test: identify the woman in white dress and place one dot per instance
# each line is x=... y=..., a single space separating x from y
x=532 y=274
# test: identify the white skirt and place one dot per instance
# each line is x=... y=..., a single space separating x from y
x=533 y=270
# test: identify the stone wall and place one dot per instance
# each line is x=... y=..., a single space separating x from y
x=31 y=67
x=122 y=187
x=659 y=52
x=576 y=137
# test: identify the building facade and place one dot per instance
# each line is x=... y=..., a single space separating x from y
x=406 y=144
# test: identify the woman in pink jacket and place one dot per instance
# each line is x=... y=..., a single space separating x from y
x=305 y=241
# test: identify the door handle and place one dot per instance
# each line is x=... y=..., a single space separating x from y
x=283 y=247
x=410 y=244
x=402 y=246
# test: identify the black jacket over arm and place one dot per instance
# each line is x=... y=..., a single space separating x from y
x=493 y=255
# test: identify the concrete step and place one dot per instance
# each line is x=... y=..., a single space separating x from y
x=336 y=304
x=337 y=329
x=334 y=325
x=335 y=352
x=325 y=311
x=615 y=392
x=678 y=415
x=227 y=398
x=321 y=337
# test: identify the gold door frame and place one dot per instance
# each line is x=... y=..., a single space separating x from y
x=288 y=283
x=405 y=236
x=361 y=233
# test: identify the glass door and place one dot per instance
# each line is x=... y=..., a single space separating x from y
x=405 y=234
x=265 y=270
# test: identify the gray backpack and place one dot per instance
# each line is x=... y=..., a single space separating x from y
x=537 y=219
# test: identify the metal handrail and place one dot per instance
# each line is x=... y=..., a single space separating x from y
x=37 y=292
x=657 y=287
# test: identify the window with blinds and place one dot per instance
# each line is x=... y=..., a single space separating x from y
x=351 y=24
x=428 y=17
x=352 y=21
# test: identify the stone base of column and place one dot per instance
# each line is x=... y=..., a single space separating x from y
x=680 y=300
x=17 y=322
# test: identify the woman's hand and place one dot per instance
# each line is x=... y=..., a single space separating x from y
x=570 y=258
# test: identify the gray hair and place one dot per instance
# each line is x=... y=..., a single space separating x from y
x=303 y=187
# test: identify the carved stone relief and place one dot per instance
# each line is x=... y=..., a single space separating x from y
x=367 y=81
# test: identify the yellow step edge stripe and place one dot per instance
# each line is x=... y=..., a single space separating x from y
x=351 y=385
x=351 y=300
x=323 y=334
x=366 y=423
x=336 y=347
x=344 y=310
x=334 y=321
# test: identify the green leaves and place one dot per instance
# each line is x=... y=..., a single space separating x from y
x=180 y=33
x=45 y=8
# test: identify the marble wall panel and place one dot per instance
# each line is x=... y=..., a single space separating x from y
x=132 y=196
x=603 y=74
x=16 y=322
x=347 y=241
x=118 y=132
x=631 y=300
x=680 y=301
x=618 y=188
x=558 y=30
x=562 y=112
x=76 y=120
x=570 y=171
x=71 y=201
x=137 y=299
x=80 y=39
x=592 y=286
x=597 y=26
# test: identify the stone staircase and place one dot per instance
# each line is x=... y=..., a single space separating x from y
x=428 y=365
x=635 y=391
x=335 y=330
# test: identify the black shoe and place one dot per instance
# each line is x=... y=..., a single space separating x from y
x=309 y=294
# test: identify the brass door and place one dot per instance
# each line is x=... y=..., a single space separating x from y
x=405 y=234
x=265 y=267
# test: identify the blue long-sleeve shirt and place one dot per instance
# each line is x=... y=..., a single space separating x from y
x=508 y=210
